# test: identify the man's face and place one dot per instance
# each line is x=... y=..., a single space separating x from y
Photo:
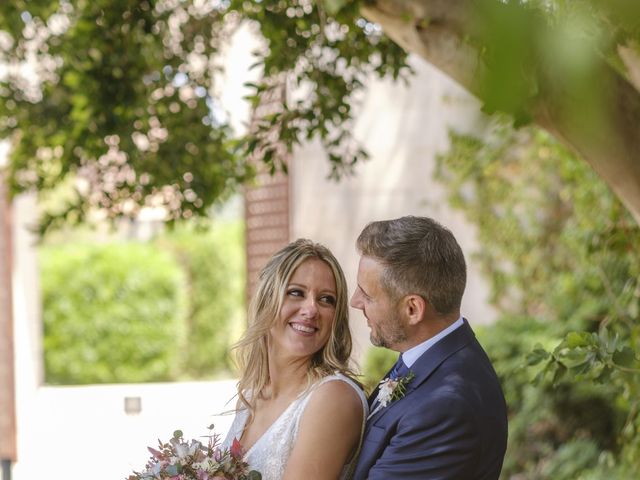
x=387 y=329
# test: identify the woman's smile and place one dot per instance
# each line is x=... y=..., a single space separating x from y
x=303 y=328
x=308 y=311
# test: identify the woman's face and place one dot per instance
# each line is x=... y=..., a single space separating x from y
x=308 y=311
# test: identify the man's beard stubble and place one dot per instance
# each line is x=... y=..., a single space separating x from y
x=388 y=336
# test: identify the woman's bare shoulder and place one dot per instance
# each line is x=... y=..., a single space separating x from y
x=334 y=395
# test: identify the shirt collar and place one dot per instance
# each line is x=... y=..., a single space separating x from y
x=410 y=356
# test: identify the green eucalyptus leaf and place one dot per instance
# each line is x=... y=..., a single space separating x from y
x=537 y=355
x=254 y=475
x=625 y=357
x=578 y=339
x=573 y=357
x=172 y=470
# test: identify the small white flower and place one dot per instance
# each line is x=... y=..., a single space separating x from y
x=387 y=386
x=391 y=390
x=184 y=450
x=207 y=465
x=195 y=446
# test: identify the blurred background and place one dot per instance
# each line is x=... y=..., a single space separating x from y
x=156 y=153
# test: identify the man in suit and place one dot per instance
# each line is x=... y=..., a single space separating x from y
x=450 y=422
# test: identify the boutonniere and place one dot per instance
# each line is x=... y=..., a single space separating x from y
x=391 y=390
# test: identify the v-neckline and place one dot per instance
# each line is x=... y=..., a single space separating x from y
x=264 y=434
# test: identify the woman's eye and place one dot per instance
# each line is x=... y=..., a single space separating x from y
x=328 y=299
x=295 y=292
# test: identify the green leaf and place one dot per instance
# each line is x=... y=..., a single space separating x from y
x=573 y=357
x=537 y=355
x=559 y=372
x=578 y=339
x=596 y=369
x=625 y=357
x=254 y=475
x=172 y=470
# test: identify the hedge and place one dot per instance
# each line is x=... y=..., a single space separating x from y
x=143 y=312
x=112 y=313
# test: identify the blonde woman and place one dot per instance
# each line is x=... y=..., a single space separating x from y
x=299 y=414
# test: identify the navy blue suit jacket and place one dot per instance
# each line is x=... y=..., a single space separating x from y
x=451 y=424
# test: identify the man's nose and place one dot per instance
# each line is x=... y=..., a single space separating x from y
x=356 y=300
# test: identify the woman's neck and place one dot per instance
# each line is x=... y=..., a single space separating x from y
x=287 y=377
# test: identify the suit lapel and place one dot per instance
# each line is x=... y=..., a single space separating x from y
x=438 y=353
x=429 y=362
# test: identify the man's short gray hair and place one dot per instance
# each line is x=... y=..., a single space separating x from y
x=419 y=256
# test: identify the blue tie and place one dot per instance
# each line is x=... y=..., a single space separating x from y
x=399 y=369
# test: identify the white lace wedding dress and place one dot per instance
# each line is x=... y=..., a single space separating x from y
x=270 y=453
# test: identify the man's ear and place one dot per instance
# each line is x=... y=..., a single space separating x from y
x=415 y=308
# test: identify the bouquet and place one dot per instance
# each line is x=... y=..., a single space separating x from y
x=192 y=460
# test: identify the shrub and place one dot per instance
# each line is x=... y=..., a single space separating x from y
x=560 y=252
x=213 y=264
x=140 y=312
x=112 y=313
x=546 y=422
x=377 y=363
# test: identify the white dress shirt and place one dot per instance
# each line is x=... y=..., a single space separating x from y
x=410 y=356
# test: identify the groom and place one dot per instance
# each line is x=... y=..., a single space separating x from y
x=450 y=422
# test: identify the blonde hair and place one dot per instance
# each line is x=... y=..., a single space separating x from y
x=264 y=310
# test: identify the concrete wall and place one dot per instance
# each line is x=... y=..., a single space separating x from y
x=75 y=433
x=27 y=327
x=403 y=128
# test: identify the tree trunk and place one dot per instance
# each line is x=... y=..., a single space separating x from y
x=443 y=33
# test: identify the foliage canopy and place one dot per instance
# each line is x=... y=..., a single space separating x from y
x=117 y=102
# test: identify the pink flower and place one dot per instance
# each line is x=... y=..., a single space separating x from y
x=236 y=449
x=156 y=453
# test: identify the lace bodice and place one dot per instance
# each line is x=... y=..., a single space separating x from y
x=270 y=453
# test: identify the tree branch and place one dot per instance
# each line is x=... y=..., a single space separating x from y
x=444 y=33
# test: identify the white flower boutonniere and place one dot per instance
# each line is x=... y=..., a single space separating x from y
x=391 y=390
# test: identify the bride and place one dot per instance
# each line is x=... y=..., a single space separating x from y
x=299 y=414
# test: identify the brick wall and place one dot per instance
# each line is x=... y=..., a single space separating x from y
x=267 y=222
x=266 y=202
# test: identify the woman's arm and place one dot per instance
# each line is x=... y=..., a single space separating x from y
x=329 y=433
